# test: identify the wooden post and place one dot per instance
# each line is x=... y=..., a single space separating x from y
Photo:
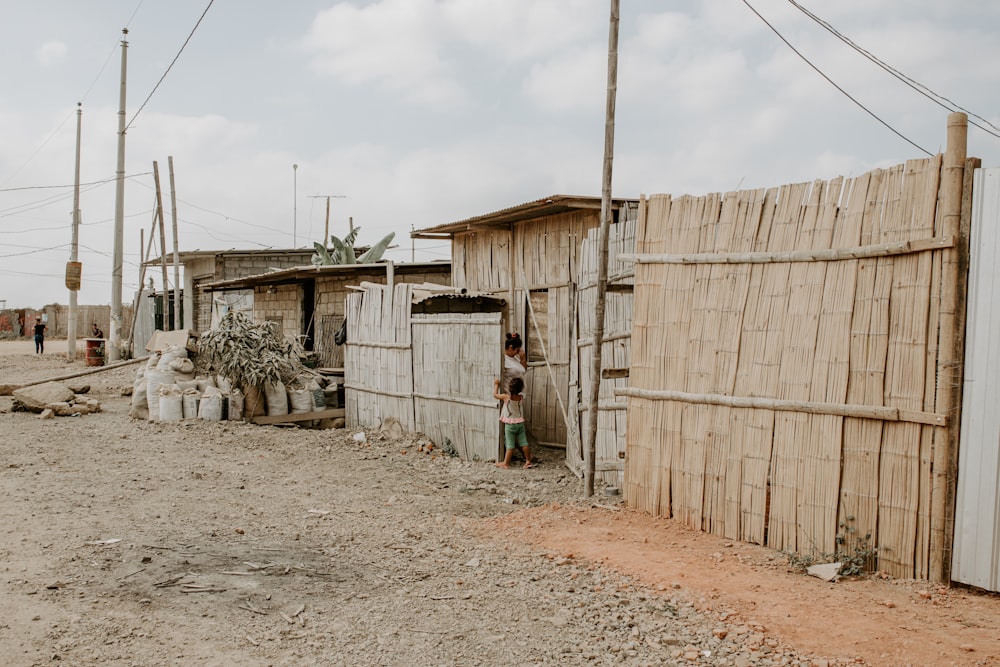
x=174 y=324
x=163 y=244
x=950 y=361
x=602 y=258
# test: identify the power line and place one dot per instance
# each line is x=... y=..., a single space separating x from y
x=937 y=98
x=190 y=35
x=832 y=83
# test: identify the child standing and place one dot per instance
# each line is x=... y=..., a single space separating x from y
x=512 y=417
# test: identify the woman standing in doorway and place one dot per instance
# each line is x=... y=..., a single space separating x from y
x=515 y=361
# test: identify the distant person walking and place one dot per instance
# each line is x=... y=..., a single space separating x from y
x=40 y=330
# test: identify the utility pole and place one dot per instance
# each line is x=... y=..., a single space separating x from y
x=295 y=205
x=74 y=285
x=175 y=324
x=163 y=245
x=590 y=452
x=326 y=227
x=114 y=347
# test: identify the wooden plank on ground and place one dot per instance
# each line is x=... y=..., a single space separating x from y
x=331 y=413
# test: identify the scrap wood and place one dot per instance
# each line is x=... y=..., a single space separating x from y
x=298 y=610
x=201 y=589
x=249 y=607
x=173 y=581
x=141 y=569
x=70 y=376
x=288 y=619
x=235 y=572
x=253 y=641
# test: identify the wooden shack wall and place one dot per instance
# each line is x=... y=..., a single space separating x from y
x=759 y=386
x=616 y=350
x=539 y=256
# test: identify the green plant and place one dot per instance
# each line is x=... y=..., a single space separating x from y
x=856 y=554
x=344 y=252
x=245 y=353
x=449 y=448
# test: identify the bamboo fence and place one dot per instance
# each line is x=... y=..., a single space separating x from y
x=784 y=363
x=616 y=350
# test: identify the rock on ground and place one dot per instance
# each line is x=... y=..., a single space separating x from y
x=35 y=398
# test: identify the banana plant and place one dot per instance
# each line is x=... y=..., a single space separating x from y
x=343 y=250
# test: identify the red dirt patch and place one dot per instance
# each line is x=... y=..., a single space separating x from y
x=879 y=621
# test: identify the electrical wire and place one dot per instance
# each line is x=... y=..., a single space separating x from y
x=834 y=84
x=179 y=52
x=937 y=98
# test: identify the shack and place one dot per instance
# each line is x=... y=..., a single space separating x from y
x=530 y=255
x=307 y=302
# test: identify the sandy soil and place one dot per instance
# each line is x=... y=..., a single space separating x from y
x=131 y=543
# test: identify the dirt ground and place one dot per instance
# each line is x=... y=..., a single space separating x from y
x=200 y=543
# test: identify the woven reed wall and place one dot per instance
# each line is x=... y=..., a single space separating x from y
x=378 y=361
x=432 y=371
x=615 y=351
x=790 y=402
x=455 y=359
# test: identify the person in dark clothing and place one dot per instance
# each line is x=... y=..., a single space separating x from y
x=40 y=330
x=96 y=332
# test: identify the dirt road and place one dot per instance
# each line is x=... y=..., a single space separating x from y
x=131 y=543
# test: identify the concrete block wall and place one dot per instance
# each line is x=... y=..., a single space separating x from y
x=251 y=265
x=284 y=304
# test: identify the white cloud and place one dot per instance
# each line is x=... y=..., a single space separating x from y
x=394 y=44
x=51 y=53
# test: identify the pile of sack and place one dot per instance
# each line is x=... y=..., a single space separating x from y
x=166 y=389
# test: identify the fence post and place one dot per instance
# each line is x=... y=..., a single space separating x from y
x=950 y=361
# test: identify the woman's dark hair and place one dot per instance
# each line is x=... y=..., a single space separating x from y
x=516 y=386
x=513 y=341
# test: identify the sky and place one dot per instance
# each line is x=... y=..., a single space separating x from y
x=414 y=113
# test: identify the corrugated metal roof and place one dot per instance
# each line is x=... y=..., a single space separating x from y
x=232 y=252
x=299 y=273
x=551 y=205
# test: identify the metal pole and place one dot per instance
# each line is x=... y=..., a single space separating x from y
x=295 y=205
x=114 y=347
x=174 y=318
x=74 y=245
x=590 y=451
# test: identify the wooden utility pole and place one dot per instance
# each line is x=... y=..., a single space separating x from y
x=74 y=246
x=174 y=324
x=326 y=226
x=163 y=243
x=590 y=452
x=114 y=347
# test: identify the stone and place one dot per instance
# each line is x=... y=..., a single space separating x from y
x=825 y=571
x=93 y=405
x=80 y=388
x=392 y=428
x=47 y=414
x=8 y=389
x=35 y=398
x=61 y=409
